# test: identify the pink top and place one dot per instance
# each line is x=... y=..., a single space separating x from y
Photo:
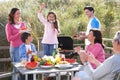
x=13 y=35
x=50 y=33
x=97 y=51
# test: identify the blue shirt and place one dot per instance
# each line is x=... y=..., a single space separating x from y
x=23 y=52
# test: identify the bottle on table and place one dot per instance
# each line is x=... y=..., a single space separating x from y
x=54 y=52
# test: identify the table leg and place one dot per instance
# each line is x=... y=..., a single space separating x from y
x=72 y=74
x=43 y=76
x=59 y=76
x=16 y=76
x=34 y=76
x=26 y=77
x=68 y=76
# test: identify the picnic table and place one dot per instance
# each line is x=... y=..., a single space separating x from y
x=44 y=71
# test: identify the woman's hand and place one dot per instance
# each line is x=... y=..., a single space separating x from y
x=77 y=49
x=92 y=59
x=83 y=56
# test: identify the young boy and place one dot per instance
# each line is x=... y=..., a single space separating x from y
x=27 y=49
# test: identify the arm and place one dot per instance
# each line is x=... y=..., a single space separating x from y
x=22 y=52
x=33 y=48
x=82 y=54
x=92 y=59
x=81 y=36
x=103 y=70
x=40 y=16
x=10 y=36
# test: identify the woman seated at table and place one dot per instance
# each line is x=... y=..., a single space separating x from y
x=95 y=47
x=105 y=70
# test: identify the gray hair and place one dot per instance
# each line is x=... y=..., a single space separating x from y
x=117 y=37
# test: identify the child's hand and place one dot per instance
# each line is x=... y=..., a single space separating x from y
x=29 y=52
x=42 y=5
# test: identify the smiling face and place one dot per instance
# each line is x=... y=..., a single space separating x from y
x=51 y=17
x=29 y=39
x=91 y=38
x=17 y=15
x=88 y=13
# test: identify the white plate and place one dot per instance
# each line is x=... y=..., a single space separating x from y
x=20 y=65
x=46 y=67
x=64 y=66
x=75 y=63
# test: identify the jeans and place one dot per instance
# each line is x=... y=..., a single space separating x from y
x=14 y=54
x=48 y=49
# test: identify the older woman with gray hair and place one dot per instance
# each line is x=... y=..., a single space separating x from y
x=105 y=70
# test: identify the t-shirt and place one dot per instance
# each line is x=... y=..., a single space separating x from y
x=50 y=33
x=28 y=47
x=97 y=51
x=17 y=26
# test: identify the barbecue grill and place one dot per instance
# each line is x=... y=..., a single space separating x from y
x=66 y=45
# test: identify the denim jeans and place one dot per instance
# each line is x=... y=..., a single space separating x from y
x=14 y=54
x=48 y=49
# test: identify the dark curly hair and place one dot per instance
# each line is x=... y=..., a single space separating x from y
x=24 y=36
x=98 y=36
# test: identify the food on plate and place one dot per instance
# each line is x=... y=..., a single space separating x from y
x=23 y=28
x=23 y=62
x=31 y=65
x=57 y=58
x=63 y=62
x=71 y=61
x=36 y=58
x=47 y=61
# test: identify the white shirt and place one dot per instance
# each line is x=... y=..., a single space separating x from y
x=28 y=47
x=17 y=26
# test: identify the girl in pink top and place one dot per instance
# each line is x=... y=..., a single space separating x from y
x=50 y=30
x=95 y=47
x=13 y=33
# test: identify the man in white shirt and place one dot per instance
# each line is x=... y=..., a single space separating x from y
x=93 y=23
